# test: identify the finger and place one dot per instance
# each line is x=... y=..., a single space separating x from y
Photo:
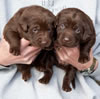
x=72 y=53
x=67 y=51
x=31 y=59
x=65 y=55
x=59 y=54
x=63 y=59
x=24 y=42
x=34 y=53
x=27 y=58
x=29 y=50
x=37 y=51
x=69 y=56
x=24 y=56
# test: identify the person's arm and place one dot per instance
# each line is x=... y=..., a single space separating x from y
x=28 y=54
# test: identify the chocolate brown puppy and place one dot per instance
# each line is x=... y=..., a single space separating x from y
x=74 y=29
x=35 y=24
x=44 y=63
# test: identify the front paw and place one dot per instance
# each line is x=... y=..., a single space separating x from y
x=66 y=88
x=15 y=51
x=44 y=80
x=84 y=58
x=26 y=76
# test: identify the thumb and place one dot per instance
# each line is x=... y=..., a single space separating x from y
x=24 y=43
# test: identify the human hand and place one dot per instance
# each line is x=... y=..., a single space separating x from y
x=28 y=53
x=71 y=56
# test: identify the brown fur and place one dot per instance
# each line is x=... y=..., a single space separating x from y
x=74 y=29
x=36 y=24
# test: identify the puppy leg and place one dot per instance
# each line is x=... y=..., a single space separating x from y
x=47 y=75
x=40 y=68
x=25 y=70
x=13 y=39
x=73 y=82
x=68 y=78
x=84 y=57
x=85 y=49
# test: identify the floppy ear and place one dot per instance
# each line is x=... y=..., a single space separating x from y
x=87 y=32
x=23 y=24
x=24 y=27
x=88 y=29
x=20 y=19
x=18 y=14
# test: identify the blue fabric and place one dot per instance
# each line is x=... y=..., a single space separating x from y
x=11 y=84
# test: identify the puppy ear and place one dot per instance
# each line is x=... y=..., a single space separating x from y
x=88 y=28
x=23 y=24
x=18 y=14
x=86 y=33
x=24 y=27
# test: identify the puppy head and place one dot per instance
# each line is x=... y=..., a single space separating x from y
x=37 y=25
x=73 y=27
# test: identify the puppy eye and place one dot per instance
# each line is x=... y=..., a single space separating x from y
x=77 y=31
x=35 y=30
x=49 y=30
x=62 y=26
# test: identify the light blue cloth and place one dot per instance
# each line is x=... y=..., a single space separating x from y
x=11 y=84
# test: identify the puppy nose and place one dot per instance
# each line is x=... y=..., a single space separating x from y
x=43 y=42
x=66 y=39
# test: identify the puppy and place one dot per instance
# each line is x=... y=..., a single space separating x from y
x=74 y=29
x=44 y=63
x=35 y=24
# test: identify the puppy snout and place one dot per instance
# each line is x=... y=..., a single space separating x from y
x=66 y=39
x=43 y=42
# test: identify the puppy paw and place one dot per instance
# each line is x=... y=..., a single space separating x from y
x=84 y=59
x=44 y=80
x=15 y=51
x=26 y=76
x=66 y=88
